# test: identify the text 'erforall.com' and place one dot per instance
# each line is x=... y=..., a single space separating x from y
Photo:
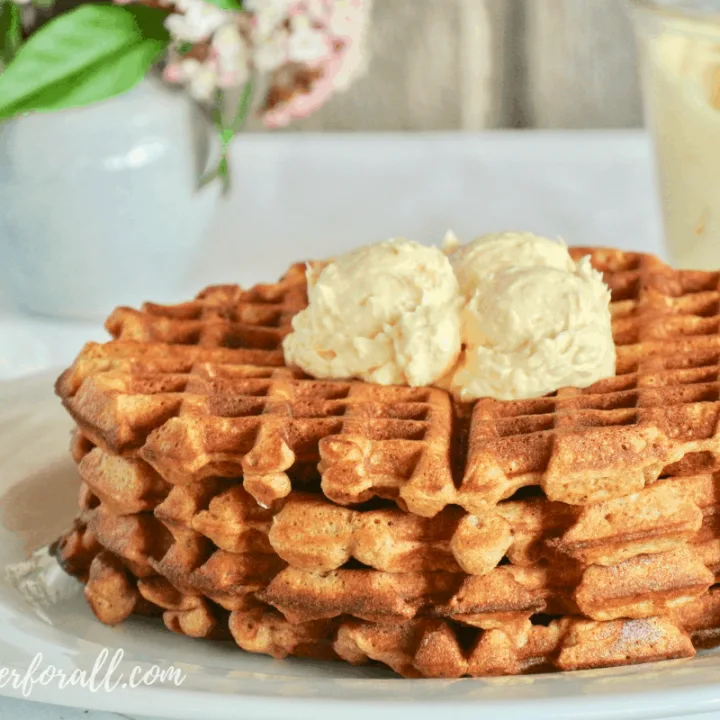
x=103 y=677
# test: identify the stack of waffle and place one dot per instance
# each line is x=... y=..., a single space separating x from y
x=236 y=497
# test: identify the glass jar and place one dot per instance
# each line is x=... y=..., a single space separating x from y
x=679 y=44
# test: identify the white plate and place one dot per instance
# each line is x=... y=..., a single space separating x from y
x=37 y=483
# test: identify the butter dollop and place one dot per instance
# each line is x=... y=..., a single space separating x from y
x=508 y=316
x=491 y=253
x=387 y=313
x=531 y=330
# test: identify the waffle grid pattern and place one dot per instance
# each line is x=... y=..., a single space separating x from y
x=237 y=497
x=421 y=647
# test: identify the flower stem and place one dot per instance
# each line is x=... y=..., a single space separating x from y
x=226 y=132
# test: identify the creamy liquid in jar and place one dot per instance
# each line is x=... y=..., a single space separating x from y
x=681 y=63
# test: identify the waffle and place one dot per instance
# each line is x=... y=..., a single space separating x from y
x=222 y=316
x=311 y=533
x=147 y=547
x=233 y=412
x=420 y=647
x=339 y=519
x=401 y=617
x=266 y=424
x=364 y=441
x=618 y=435
x=170 y=542
x=428 y=648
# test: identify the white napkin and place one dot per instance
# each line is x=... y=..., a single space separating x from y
x=41 y=581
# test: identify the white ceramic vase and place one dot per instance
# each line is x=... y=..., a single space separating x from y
x=99 y=206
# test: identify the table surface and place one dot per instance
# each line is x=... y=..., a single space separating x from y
x=338 y=191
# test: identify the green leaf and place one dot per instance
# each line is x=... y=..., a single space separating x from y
x=226 y=4
x=86 y=55
x=101 y=82
x=10 y=31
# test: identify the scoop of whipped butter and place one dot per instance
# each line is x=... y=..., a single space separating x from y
x=529 y=319
x=474 y=262
x=533 y=320
x=387 y=313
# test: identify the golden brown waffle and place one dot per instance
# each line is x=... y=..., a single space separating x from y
x=128 y=357
x=427 y=648
x=613 y=438
x=146 y=546
x=189 y=418
x=639 y=587
x=221 y=316
x=189 y=560
x=238 y=412
x=168 y=542
x=268 y=424
x=505 y=596
x=313 y=534
x=422 y=647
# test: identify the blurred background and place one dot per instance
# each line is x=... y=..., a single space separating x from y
x=286 y=129
x=477 y=64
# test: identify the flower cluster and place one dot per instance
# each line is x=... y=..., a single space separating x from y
x=307 y=49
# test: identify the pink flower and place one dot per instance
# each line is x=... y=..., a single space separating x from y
x=196 y=21
x=173 y=73
x=330 y=45
x=232 y=57
x=302 y=102
x=308 y=44
x=309 y=48
x=200 y=78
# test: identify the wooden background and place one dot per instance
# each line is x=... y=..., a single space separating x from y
x=473 y=64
